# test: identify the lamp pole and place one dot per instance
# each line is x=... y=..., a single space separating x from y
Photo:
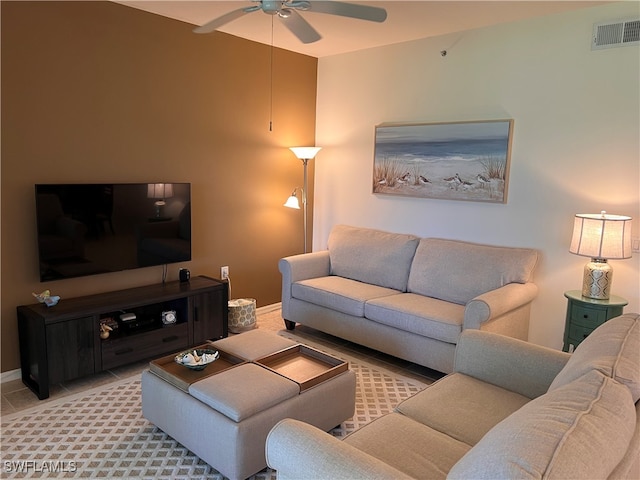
x=304 y=202
x=305 y=154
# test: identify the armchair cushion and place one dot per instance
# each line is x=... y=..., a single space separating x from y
x=613 y=352
x=406 y=445
x=452 y=404
x=579 y=430
x=457 y=271
x=372 y=256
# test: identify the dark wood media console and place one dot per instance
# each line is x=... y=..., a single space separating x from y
x=63 y=342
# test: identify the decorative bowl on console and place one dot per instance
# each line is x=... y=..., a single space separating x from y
x=197 y=359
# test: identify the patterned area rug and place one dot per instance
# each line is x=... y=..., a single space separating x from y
x=101 y=433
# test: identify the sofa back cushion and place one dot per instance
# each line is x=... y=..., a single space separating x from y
x=613 y=349
x=580 y=430
x=457 y=271
x=372 y=256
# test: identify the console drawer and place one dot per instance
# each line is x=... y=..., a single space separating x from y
x=154 y=343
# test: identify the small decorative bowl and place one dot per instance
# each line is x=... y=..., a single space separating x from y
x=197 y=358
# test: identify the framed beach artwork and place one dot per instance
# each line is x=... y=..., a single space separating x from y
x=451 y=161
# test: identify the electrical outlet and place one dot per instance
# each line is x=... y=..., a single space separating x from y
x=635 y=244
x=224 y=272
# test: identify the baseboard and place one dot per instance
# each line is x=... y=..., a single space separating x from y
x=268 y=308
x=10 y=376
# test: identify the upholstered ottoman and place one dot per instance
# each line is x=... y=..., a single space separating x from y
x=225 y=417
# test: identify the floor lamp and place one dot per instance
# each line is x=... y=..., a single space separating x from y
x=305 y=154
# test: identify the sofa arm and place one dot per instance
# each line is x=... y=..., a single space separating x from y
x=305 y=266
x=498 y=303
x=518 y=366
x=299 y=451
x=301 y=267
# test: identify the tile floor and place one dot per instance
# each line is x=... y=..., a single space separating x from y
x=16 y=396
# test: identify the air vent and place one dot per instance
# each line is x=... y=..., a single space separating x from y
x=615 y=34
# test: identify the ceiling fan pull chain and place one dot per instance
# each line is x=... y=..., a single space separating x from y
x=271 y=80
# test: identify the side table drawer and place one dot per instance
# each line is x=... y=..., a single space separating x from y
x=586 y=314
x=588 y=317
x=579 y=333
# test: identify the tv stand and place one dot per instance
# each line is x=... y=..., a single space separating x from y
x=63 y=342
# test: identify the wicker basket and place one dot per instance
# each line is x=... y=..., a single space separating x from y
x=242 y=315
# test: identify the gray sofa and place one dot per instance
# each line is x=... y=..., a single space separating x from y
x=406 y=296
x=511 y=410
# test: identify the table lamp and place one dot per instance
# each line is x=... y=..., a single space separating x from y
x=601 y=237
x=160 y=191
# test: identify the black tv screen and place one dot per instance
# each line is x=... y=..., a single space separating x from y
x=88 y=229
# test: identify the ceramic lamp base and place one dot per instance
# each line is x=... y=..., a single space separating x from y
x=596 y=282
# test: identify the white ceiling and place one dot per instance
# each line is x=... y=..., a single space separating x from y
x=406 y=20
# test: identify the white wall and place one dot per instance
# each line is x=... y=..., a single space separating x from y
x=576 y=144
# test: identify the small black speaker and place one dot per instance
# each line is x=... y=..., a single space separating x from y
x=184 y=275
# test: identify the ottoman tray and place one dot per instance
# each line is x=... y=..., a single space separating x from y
x=304 y=365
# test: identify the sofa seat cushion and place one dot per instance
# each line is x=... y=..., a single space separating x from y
x=464 y=407
x=413 y=313
x=409 y=446
x=613 y=351
x=579 y=430
x=338 y=293
x=457 y=271
x=371 y=256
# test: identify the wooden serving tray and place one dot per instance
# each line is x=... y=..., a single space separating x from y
x=181 y=376
x=304 y=365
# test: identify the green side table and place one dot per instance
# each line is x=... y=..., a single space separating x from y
x=586 y=314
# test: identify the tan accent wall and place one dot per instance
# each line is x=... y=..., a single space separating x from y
x=100 y=92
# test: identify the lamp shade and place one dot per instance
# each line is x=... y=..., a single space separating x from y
x=159 y=190
x=305 y=153
x=601 y=236
x=292 y=201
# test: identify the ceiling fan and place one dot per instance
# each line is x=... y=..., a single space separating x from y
x=287 y=11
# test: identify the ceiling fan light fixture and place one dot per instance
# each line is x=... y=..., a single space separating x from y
x=271 y=7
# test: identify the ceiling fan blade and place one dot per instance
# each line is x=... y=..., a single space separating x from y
x=223 y=20
x=300 y=27
x=362 y=12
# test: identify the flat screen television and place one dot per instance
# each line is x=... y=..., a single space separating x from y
x=89 y=229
